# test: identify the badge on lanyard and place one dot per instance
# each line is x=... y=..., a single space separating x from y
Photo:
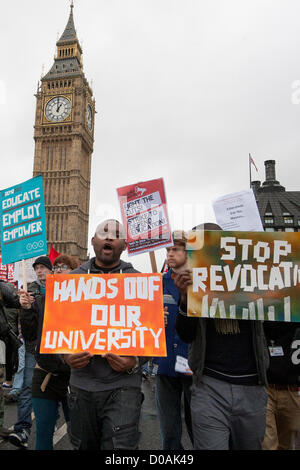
x=275 y=350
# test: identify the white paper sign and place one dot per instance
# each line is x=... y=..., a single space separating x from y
x=30 y=273
x=238 y=211
x=182 y=366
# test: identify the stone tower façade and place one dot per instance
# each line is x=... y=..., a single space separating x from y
x=64 y=137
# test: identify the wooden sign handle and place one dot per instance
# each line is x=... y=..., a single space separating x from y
x=24 y=275
x=153 y=261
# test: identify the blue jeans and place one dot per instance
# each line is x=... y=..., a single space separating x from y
x=25 y=399
x=19 y=375
x=46 y=413
x=148 y=367
x=168 y=394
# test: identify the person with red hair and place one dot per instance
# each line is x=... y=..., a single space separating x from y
x=51 y=374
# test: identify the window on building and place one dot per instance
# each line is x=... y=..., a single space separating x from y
x=289 y=229
x=269 y=229
x=288 y=220
x=268 y=220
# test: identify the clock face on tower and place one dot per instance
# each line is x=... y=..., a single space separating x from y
x=58 y=109
x=89 y=117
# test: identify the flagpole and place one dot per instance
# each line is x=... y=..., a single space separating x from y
x=250 y=170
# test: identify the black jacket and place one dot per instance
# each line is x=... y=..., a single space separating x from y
x=284 y=367
x=193 y=330
x=8 y=298
x=29 y=319
x=57 y=386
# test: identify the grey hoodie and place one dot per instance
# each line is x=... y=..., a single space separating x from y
x=98 y=376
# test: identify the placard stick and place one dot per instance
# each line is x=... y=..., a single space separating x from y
x=24 y=275
x=153 y=261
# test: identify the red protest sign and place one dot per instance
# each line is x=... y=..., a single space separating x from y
x=145 y=216
x=7 y=271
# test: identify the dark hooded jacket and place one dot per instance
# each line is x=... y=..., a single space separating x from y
x=29 y=319
x=31 y=326
x=9 y=299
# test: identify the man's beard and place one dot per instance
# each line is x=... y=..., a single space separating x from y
x=109 y=258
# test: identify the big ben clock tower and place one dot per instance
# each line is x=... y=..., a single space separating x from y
x=64 y=137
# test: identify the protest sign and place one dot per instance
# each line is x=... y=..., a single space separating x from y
x=6 y=271
x=145 y=216
x=115 y=313
x=23 y=224
x=182 y=366
x=24 y=266
x=238 y=211
x=247 y=276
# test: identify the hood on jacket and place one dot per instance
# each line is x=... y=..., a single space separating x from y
x=87 y=268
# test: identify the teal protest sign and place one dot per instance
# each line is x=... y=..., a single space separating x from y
x=23 y=222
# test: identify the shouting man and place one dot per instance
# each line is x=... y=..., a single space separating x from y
x=105 y=397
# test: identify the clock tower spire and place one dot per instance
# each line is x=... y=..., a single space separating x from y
x=64 y=138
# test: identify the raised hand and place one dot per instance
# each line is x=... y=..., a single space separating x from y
x=26 y=299
x=182 y=281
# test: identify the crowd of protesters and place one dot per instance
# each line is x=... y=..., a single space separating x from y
x=239 y=387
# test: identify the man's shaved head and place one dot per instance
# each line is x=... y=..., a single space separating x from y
x=109 y=242
x=112 y=227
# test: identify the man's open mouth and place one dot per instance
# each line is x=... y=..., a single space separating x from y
x=107 y=248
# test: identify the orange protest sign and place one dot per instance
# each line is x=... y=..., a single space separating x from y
x=116 y=313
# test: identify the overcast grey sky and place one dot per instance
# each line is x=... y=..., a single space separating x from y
x=184 y=90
